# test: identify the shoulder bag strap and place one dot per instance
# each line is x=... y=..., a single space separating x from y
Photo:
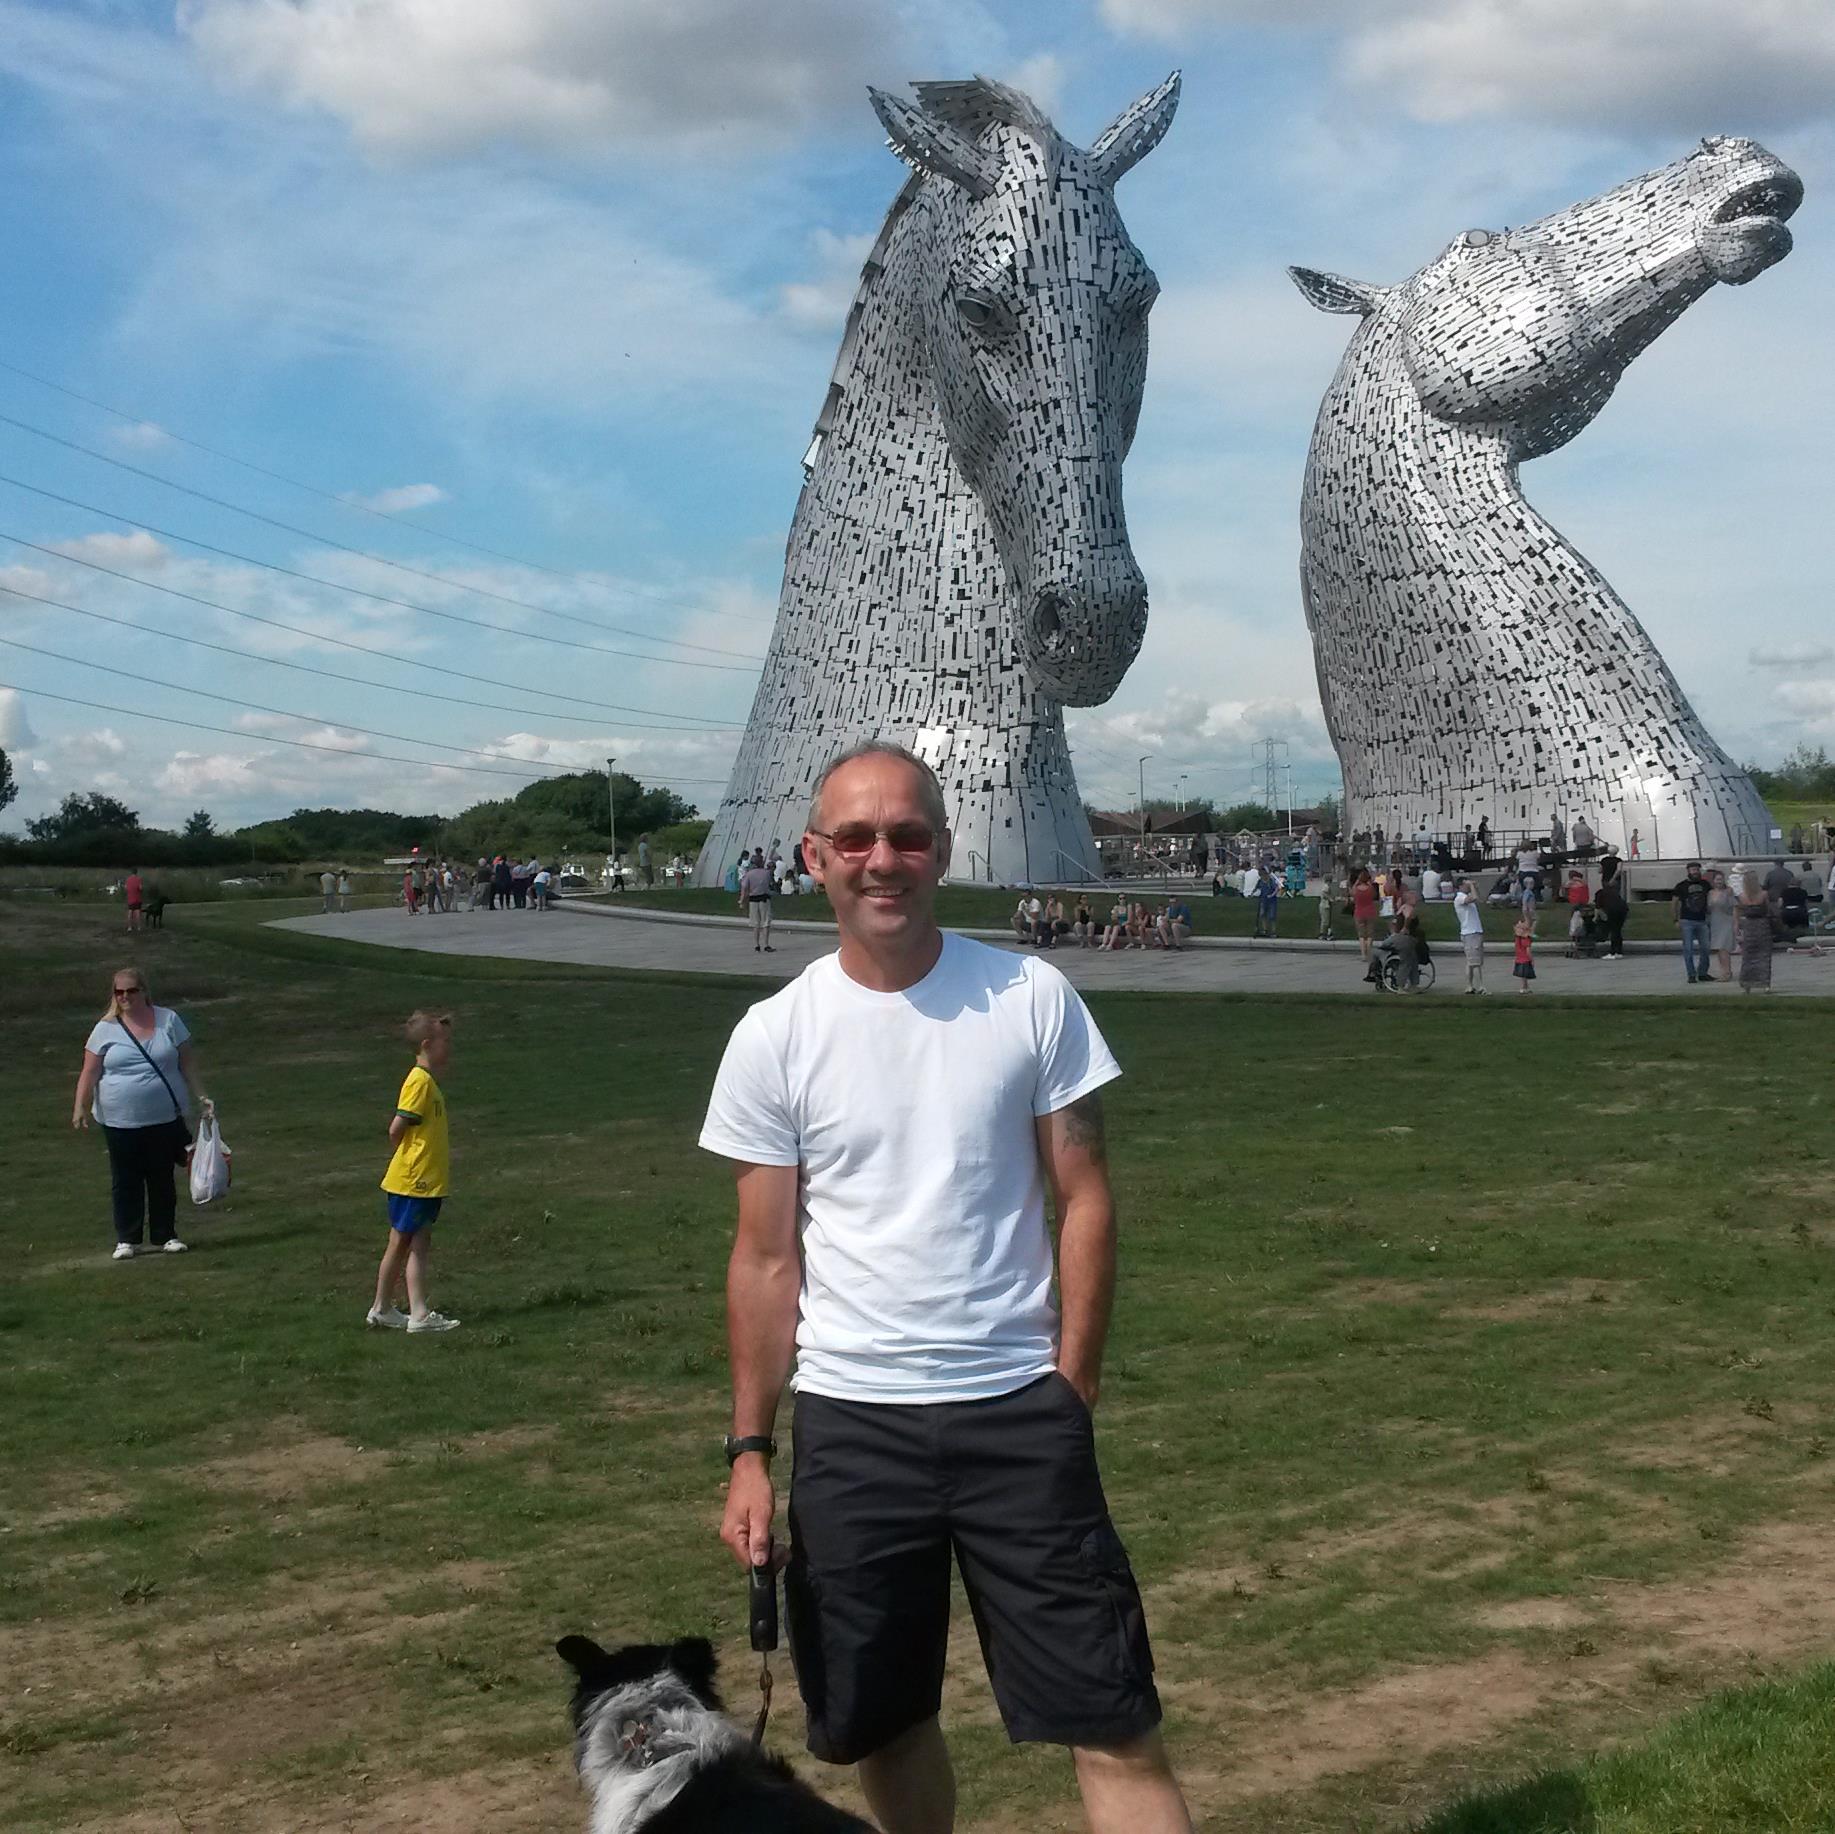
x=177 y=1109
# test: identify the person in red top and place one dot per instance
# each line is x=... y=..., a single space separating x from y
x=1363 y=909
x=1525 y=967
x=133 y=890
x=1577 y=893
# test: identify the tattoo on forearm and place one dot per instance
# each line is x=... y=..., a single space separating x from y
x=1083 y=1127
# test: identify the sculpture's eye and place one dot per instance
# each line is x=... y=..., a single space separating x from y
x=980 y=313
x=1477 y=238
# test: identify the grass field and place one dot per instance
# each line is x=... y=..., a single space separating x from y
x=1468 y=1408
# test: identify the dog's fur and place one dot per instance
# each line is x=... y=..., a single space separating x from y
x=656 y=1751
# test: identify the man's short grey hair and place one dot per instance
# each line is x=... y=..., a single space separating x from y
x=931 y=791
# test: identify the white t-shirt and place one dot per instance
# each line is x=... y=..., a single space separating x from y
x=927 y=1266
x=1471 y=921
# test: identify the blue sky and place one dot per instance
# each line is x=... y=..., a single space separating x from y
x=564 y=279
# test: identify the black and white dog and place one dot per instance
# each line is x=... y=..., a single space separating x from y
x=657 y=1753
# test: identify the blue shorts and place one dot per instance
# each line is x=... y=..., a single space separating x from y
x=407 y=1214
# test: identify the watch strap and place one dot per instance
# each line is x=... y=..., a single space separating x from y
x=736 y=1448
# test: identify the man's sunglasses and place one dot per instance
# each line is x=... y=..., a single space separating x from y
x=855 y=840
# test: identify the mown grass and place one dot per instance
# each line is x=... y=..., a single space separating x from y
x=1432 y=1320
x=1758 y=1758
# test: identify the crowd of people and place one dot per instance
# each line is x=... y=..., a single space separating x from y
x=495 y=884
x=1132 y=923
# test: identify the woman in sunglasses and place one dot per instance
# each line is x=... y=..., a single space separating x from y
x=137 y=1079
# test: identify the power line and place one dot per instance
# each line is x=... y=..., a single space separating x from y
x=306 y=668
x=379 y=598
x=380 y=560
x=407 y=522
x=230 y=700
x=345 y=643
x=337 y=751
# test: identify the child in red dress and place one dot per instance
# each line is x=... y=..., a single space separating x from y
x=1525 y=968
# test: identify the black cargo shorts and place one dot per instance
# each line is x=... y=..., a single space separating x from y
x=882 y=1495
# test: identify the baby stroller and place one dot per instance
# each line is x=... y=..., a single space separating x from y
x=1585 y=932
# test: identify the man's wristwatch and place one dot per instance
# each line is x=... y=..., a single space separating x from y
x=747 y=1442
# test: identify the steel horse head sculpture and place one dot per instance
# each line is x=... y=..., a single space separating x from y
x=1471 y=663
x=958 y=568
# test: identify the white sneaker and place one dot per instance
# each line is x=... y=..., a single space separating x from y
x=124 y=1251
x=174 y=1247
x=393 y=1319
x=433 y=1321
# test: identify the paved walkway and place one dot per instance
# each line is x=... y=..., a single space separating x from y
x=607 y=937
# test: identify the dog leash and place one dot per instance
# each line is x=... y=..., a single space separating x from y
x=763 y=1613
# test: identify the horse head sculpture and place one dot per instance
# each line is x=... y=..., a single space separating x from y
x=1528 y=330
x=1036 y=346
x=1470 y=661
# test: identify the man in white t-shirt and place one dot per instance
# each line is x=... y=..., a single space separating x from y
x=1471 y=935
x=899 y=1114
x=328 y=889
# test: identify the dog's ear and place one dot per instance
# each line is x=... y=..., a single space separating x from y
x=694 y=1660
x=583 y=1656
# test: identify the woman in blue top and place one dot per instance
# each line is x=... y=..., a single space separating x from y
x=137 y=1079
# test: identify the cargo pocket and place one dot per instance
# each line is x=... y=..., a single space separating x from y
x=1107 y=1561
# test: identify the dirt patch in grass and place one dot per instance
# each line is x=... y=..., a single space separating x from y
x=1773 y=1603
x=301 y=1463
x=1539 y=1302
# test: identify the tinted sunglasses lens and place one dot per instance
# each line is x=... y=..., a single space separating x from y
x=906 y=837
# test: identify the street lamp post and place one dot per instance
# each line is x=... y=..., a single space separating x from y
x=611 y=812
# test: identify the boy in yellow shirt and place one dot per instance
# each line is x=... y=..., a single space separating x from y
x=415 y=1183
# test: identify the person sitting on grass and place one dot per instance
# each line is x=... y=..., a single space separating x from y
x=415 y=1184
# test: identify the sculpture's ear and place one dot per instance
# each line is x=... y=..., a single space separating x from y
x=1333 y=293
x=1135 y=132
x=928 y=144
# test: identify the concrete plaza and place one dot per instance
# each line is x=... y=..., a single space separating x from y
x=607 y=936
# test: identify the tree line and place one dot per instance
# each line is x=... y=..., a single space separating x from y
x=566 y=814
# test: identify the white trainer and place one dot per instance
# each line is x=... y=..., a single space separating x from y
x=124 y=1251
x=393 y=1318
x=433 y=1321
x=174 y=1247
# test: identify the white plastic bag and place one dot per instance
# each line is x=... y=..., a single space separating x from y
x=209 y=1161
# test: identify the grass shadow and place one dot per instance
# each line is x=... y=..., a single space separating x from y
x=1557 y=1803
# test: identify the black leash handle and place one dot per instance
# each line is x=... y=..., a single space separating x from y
x=762 y=1612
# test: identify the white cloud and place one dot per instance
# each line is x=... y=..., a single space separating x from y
x=820 y=304
x=32 y=580
x=140 y=436
x=412 y=79
x=1042 y=77
x=1789 y=655
x=107 y=549
x=16 y=732
x=399 y=497
x=1688 y=66
x=98 y=747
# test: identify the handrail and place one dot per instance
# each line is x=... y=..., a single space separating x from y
x=1087 y=877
